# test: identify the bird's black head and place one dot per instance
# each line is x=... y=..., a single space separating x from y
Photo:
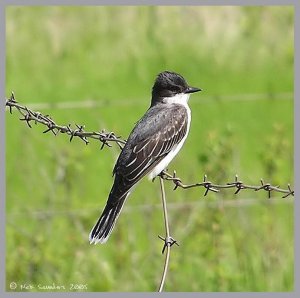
x=168 y=84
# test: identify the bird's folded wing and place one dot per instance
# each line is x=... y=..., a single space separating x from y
x=157 y=141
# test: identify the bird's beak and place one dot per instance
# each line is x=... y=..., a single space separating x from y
x=192 y=90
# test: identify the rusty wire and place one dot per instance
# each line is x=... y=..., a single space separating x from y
x=106 y=137
x=30 y=116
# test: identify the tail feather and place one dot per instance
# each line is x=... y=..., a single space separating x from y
x=105 y=224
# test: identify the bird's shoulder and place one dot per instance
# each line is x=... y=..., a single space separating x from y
x=154 y=135
x=156 y=120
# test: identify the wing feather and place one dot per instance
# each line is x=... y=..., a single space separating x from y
x=153 y=137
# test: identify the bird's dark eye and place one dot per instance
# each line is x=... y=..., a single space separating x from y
x=176 y=89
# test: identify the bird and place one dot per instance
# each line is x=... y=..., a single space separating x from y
x=154 y=141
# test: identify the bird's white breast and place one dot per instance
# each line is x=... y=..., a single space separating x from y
x=183 y=100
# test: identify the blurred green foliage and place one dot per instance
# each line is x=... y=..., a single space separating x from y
x=242 y=123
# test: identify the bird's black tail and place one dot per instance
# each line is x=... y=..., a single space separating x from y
x=105 y=224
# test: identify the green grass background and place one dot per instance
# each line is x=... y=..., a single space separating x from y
x=242 y=58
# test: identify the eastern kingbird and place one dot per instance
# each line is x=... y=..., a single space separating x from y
x=154 y=141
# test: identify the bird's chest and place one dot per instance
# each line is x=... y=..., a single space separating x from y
x=168 y=158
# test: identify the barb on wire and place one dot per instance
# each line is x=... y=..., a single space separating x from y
x=30 y=116
x=237 y=184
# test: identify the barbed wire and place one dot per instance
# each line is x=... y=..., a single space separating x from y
x=237 y=184
x=106 y=137
x=30 y=116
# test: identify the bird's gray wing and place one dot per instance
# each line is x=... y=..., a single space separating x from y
x=151 y=140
